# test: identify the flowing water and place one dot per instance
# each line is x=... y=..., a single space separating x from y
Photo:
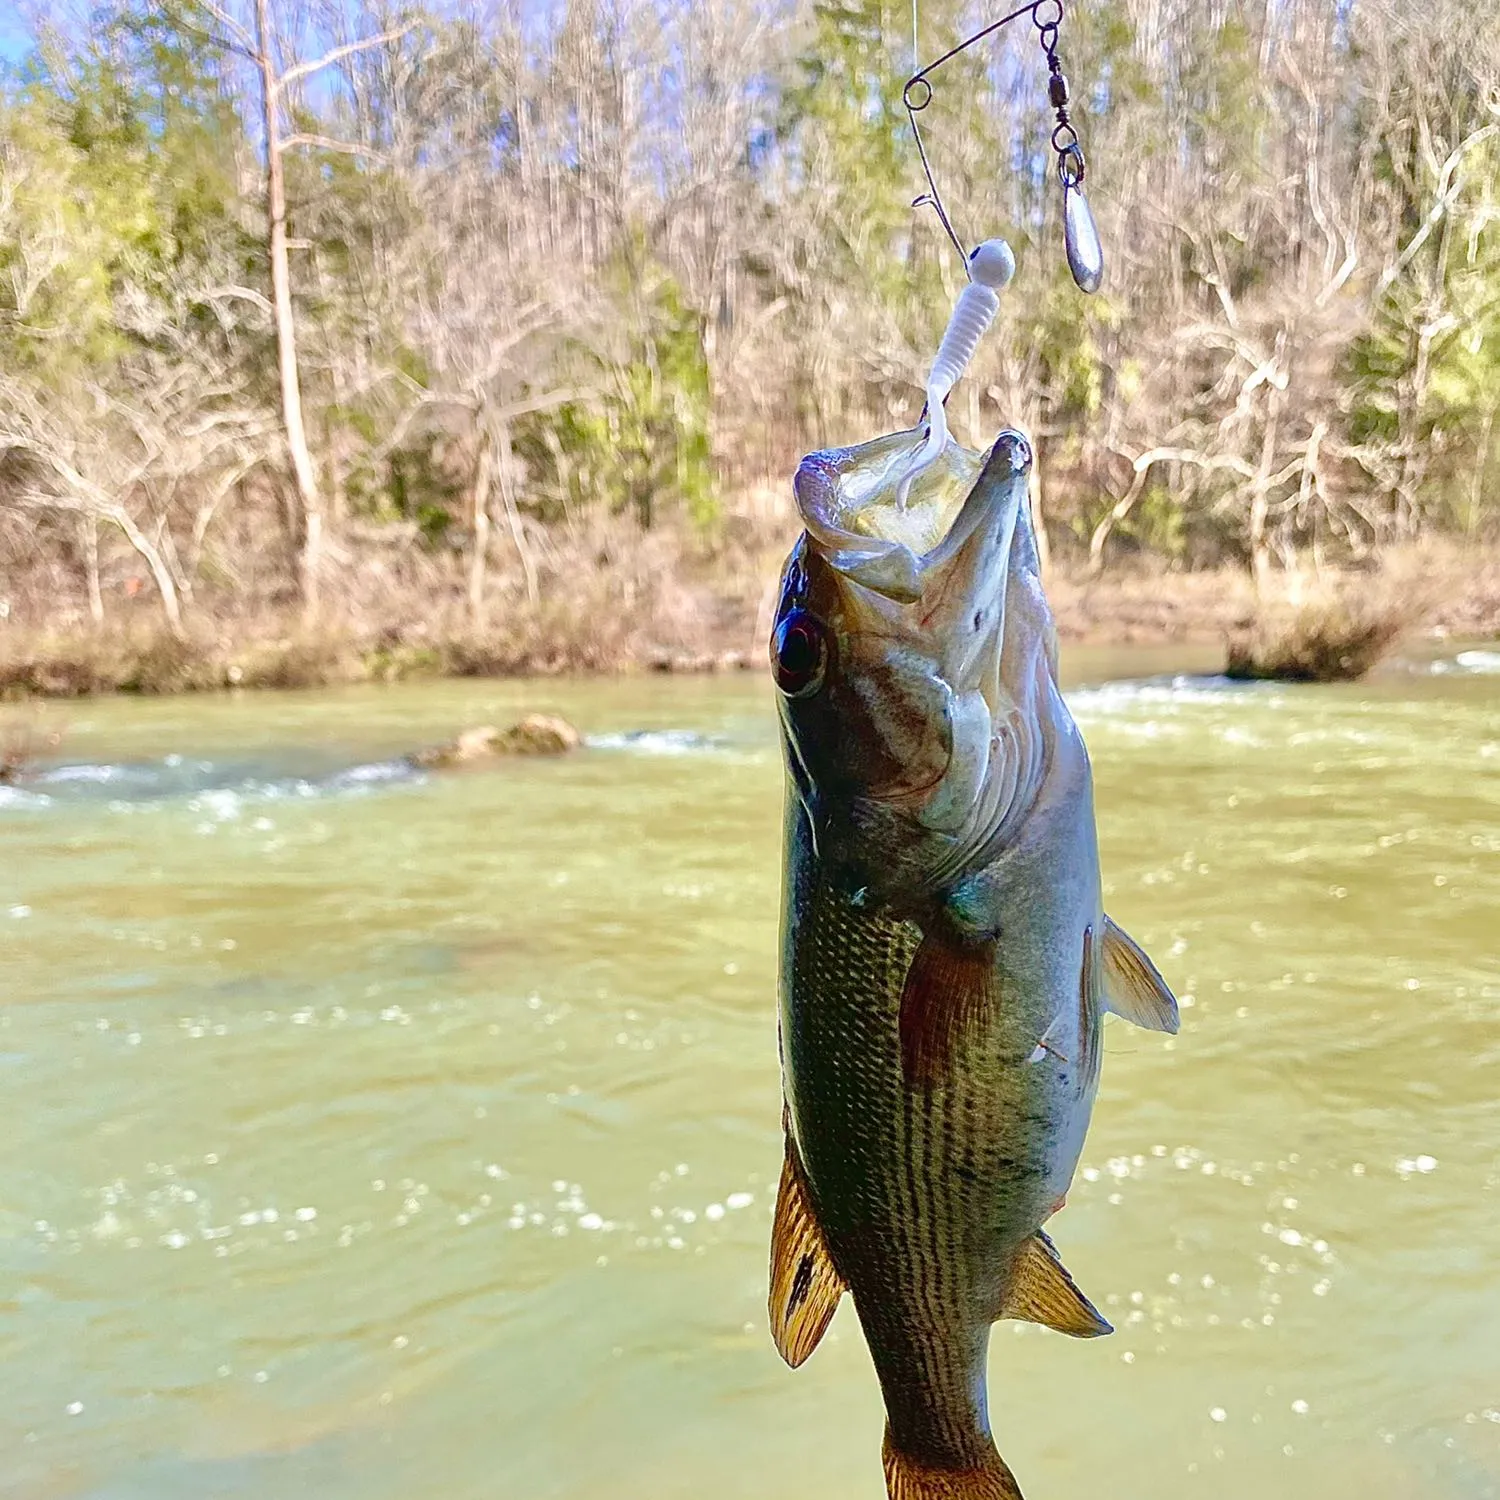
x=371 y=1135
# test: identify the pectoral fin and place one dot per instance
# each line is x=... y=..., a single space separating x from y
x=1132 y=987
x=1041 y=1291
x=950 y=993
x=805 y=1288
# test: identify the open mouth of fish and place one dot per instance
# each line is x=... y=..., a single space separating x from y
x=922 y=582
x=951 y=532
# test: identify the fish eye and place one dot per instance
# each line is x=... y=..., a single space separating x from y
x=799 y=653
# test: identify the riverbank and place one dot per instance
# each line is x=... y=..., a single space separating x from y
x=621 y=621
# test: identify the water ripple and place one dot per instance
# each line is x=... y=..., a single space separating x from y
x=1487 y=662
x=202 y=782
x=1173 y=692
x=15 y=797
x=658 y=742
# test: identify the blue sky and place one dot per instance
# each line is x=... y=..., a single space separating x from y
x=15 y=35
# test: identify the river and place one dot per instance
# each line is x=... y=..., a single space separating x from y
x=371 y=1135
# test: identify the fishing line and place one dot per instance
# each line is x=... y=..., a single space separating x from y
x=990 y=267
x=1080 y=233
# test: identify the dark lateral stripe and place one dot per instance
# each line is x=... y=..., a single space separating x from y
x=925 y=1180
x=954 y=1132
x=934 y=1222
x=922 y=1271
x=933 y=1114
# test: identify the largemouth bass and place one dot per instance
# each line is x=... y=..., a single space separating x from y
x=946 y=962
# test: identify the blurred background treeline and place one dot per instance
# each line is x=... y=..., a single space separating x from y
x=338 y=337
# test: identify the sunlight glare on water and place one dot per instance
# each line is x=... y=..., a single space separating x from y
x=374 y=1134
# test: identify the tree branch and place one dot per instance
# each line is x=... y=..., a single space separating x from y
x=238 y=39
x=328 y=143
x=1448 y=190
x=337 y=54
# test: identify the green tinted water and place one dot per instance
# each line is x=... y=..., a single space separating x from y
x=369 y=1136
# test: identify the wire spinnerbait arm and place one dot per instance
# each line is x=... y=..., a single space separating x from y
x=1080 y=233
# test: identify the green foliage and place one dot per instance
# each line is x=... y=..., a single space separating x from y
x=1158 y=522
x=1377 y=361
x=1219 y=93
x=642 y=440
x=844 y=117
x=1425 y=372
x=1067 y=336
x=421 y=488
x=122 y=173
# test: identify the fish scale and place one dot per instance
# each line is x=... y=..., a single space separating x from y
x=908 y=1186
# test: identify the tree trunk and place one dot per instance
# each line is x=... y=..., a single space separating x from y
x=170 y=603
x=88 y=529
x=480 y=517
x=1480 y=471
x=513 y=516
x=1260 y=553
x=311 y=555
x=338 y=495
x=1112 y=518
x=1260 y=496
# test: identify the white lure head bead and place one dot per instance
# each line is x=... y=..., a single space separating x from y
x=992 y=265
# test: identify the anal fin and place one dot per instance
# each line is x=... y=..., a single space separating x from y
x=1132 y=986
x=950 y=993
x=1041 y=1291
x=805 y=1288
x=908 y=1478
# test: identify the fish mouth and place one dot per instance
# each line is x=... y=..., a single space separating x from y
x=922 y=587
x=950 y=537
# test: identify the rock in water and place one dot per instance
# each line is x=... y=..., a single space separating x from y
x=536 y=734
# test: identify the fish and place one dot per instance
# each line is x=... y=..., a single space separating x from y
x=946 y=962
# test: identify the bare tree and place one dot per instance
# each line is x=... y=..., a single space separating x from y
x=497 y=255
x=266 y=45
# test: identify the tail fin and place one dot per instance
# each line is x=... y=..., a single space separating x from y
x=913 y=1479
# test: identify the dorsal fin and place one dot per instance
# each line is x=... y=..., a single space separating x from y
x=1041 y=1291
x=805 y=1288
x=1132 y=987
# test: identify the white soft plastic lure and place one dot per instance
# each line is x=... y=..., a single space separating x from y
x=991 y=267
